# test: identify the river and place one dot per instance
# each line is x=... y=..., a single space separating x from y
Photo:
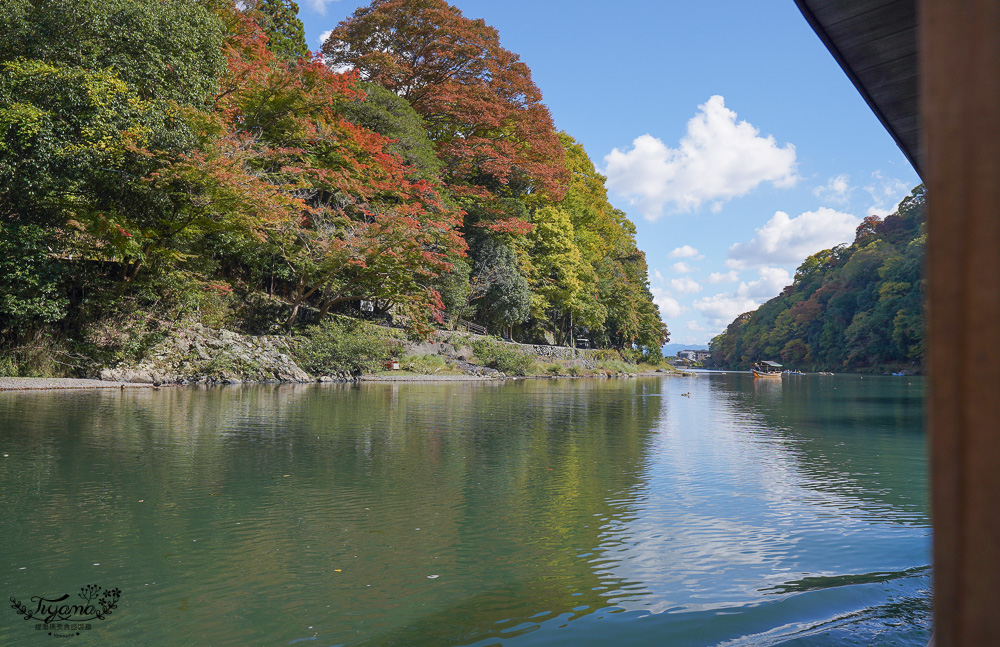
x=703 y=511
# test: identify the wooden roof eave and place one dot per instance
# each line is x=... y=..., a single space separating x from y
x=875 y=40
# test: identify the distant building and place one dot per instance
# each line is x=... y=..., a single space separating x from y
x=694 y=355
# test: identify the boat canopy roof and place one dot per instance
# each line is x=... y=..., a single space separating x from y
x=775 y=364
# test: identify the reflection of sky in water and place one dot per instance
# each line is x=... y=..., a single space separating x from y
x=731 y=511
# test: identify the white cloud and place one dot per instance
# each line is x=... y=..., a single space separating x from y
x=721 y=309
x=784 y=239
x=886 y=193
x=659 y=277
x=728 y=277
x=685 y=251
x=319 y=6
x=322 y=37
x=838 y=189
x=694 y=326
x=669 y=306
x=771 y=282
x=681 y=268
x=684 y=285
x=717 y=159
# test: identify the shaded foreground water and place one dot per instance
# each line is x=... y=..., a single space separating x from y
x=570 y=512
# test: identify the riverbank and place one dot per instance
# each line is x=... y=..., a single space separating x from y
x=197 y=354
x=70 y=383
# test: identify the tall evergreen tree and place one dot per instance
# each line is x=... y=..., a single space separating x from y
x=279 y=19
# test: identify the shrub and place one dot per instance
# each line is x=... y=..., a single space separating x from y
x=613 y=366
x=604 y=355
x=423 y=363
x=631 y=355
x=32 y=283
x=355 y=347
x=8 y=366
x=501 y=356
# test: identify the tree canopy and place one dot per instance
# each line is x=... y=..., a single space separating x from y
x=174 y=154
x=482 y=109
x=169 y=49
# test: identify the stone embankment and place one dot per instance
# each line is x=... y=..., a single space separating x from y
x=204 y=355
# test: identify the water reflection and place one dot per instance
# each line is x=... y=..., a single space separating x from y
x=534 y=512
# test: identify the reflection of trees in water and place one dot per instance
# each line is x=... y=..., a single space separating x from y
x=500 y=490
x=853 y=436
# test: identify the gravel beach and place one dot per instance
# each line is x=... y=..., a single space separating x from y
x=36 y=383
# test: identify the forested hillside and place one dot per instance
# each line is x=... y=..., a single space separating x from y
x=856 y=307
x=190 y=160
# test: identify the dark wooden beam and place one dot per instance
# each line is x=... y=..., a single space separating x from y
x=960 y=104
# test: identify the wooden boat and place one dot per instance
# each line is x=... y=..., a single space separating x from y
x=767 y=370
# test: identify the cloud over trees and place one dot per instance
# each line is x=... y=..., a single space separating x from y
x=717 y=159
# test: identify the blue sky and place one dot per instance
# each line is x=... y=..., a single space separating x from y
x=728 y=133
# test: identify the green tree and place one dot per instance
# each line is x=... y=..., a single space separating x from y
x=556 y=264
x=64 y=132
x=500 y=289
x=169 y=49
x=381 y=111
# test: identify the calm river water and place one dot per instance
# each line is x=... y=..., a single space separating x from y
x=648 y=512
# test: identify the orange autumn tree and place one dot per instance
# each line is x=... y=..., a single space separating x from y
x=348 y=218
x=482 y=109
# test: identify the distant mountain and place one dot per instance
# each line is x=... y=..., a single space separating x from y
x=669 y=350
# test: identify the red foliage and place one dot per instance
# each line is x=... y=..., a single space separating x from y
x=868 y=228
x=805 y=311
x=278 y=160
x=514 y=226
x=482 y=108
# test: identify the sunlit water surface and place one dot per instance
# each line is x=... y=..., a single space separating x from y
x=678 y=511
